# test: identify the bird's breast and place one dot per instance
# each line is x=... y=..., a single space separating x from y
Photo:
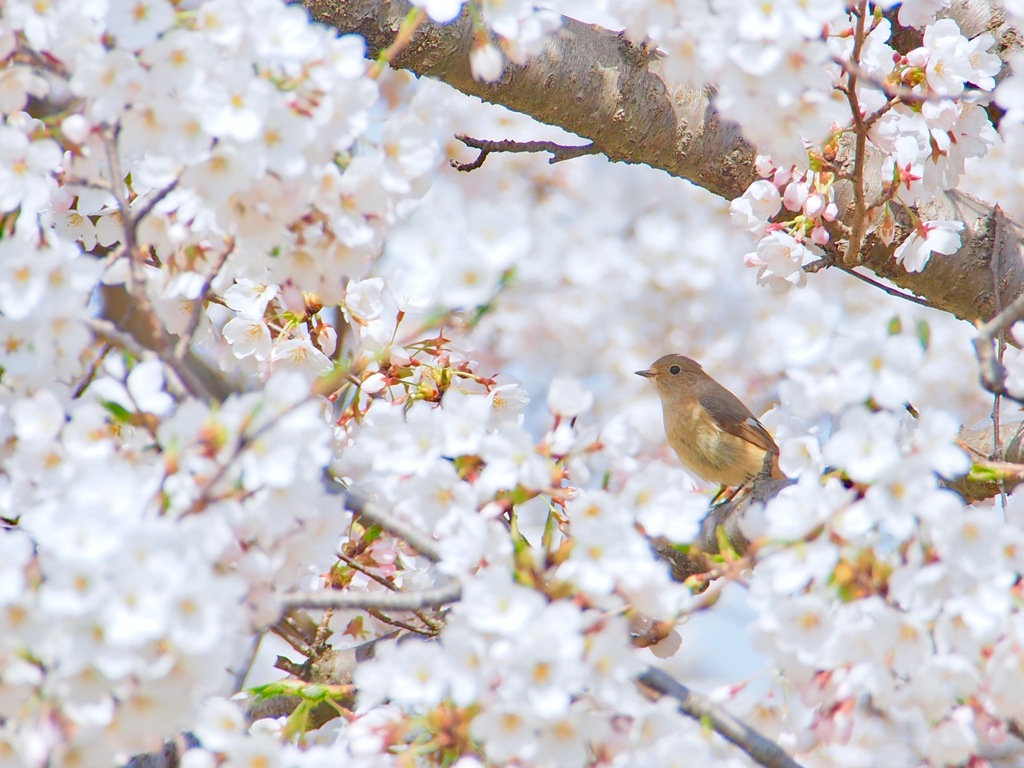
x=708 y=451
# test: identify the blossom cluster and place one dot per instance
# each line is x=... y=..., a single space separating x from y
x=273 y=209
x=148 y=546
x=911 y=108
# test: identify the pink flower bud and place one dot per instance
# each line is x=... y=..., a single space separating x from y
x=782 y=177
x=764 y=166
x=814 y=205
x=399 y=356
x=794 y=196
x=830 y=212
x=327 y=339
x=374 y=383
x=819 y=235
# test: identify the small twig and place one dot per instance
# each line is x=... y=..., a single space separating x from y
x=162 y=344
x=289 y=631
x=387 y=601
x=902 y=92
x=898 y=92
x=993 y=373
x=879 y=113
x=358 y=504
x=323 y=630
x=196 y=312
x=147 y=208
x=242 y=672
x=107 y=331
x=761 y=750
x=559 y=152
x=399 y=623
x=819 y=264
x=995 y=264
x=891 y=291
x=852 y=256
x=292 y=668
x=241 y=444
x=90 y=375
x=388 y=584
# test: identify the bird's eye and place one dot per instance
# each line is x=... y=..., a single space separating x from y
x=674 y=370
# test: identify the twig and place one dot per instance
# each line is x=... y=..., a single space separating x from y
x=761 y=750
x=107 y=331
x=196 y=310
x=358 y=504
x=147 y=208
x=289 y=631
x=387 y=601
x=90 y=375
x=852 y=255
x=891 y=291
x=901 y=92
x=993 y=373
x=399 y=623
x=995 y=264
x=242 y=672
x=819 y=264
x=559 y=152
x=243 y=442
x=388 y=584
x=162 y=344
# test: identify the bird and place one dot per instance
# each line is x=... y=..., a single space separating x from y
x=713 y=433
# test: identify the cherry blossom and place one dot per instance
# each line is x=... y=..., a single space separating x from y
x=241 y=288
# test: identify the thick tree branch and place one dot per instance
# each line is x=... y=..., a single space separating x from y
x=590 y=81
x=598 y=85
x=761 y=750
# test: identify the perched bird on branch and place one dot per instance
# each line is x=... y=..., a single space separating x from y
x=715 y=436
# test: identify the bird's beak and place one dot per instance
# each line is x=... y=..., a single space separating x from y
x=646 y=374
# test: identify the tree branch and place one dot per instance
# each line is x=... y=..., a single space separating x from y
x=357 y=503
x=991 y=339
x=559 y=152
x=386 y=601
x=590 y=81
x=597 y=84
x=761 y=750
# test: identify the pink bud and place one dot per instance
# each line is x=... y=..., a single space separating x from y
x=830 y=212
x=814 y=205
x=399 y=356
x=764 y=166
x=327 y=339
x=819 y=235
x=782 y=177
x=794 y=196
x=294 y=301
x=373 y=383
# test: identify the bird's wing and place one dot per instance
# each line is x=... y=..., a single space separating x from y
x=732 y=416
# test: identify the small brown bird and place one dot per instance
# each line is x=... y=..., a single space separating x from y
x=715 y=436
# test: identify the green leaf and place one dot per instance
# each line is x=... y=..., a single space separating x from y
x=924 y=333
x=118 y=411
